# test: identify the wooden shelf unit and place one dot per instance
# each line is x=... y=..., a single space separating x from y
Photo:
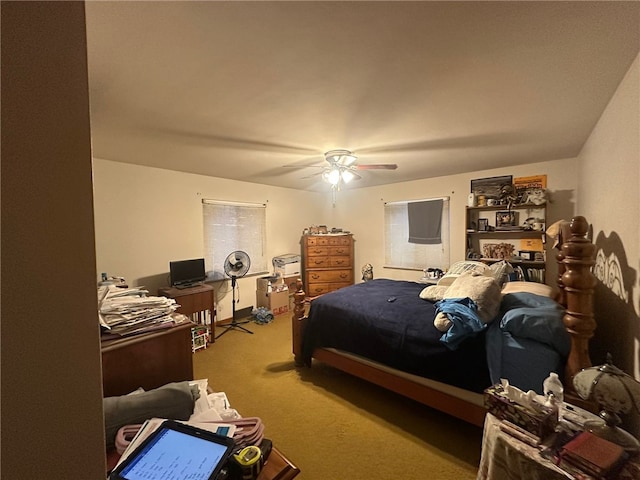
x=195 y=302
x=476 y=239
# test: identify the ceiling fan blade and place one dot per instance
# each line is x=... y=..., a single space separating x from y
x=303 y=166
x=313 y=175
x=381 y=166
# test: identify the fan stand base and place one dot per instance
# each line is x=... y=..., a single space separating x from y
x=233 y=325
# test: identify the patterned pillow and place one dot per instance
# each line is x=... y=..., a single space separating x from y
x=459 y=268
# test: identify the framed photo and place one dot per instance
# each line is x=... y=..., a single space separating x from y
x=490 y=187
x=483 y=224
x=505 y=219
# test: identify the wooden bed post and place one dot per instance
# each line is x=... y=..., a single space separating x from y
x=297 y=322
x=578 y=283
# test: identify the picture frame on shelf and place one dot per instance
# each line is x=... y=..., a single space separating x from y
x=490 y=187
x=506 y=219
x=483 y=224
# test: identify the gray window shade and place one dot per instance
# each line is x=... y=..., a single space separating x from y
x=233 y=226
x=400 y=253
x=425 y=222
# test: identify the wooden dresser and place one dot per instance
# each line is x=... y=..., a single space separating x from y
x=327 y=260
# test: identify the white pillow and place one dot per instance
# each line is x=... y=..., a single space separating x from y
x=482 y=289
x=433 y=292
x=459 y=268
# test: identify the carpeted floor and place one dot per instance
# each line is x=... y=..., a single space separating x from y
x=330 y=424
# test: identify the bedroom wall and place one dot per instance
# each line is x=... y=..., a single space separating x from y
x=51 y=424
x=145 y=217
x=361 y=210
x=609 y=196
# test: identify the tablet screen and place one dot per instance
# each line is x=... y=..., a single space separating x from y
x=176 y=453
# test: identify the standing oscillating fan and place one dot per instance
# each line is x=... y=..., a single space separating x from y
x=236 y=265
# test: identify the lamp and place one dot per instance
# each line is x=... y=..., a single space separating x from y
x=615 y=392
x=347 y=175
x=332 y=176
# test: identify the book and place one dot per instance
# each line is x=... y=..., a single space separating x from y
x=593 y=454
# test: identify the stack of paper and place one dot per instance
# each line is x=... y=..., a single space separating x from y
x=129 y=311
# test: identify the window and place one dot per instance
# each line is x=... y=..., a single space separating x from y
x=399 y=252
x=233 y=226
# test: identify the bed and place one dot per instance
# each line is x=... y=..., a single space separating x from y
x=382 y=331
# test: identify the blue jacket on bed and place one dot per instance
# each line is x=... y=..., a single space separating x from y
x=463 y=313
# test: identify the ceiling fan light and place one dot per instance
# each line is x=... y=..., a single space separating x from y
x=332 y=176
x=347 y=176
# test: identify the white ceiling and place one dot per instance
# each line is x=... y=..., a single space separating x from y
x=240 y=90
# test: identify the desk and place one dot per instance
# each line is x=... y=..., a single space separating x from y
x=278 y=467
x=148 y=360
x=195 y=302
x=505 y=457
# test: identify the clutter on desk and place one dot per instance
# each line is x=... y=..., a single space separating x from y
x=105 y=280
x=131 y=311
x=210 y=411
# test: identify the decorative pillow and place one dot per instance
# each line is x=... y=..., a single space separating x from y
x=500 y=271
x=459 y=268
x=481 y=289
x=433 y=292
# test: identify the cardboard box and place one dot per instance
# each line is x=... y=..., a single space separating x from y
x=291 y=283
x=541 y=424
x=267 y=283
x=277 y=302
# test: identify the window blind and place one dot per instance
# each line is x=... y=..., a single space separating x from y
x=232 y=226
x=399 y=252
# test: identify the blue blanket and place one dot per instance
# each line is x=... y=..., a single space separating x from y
x=387 y=321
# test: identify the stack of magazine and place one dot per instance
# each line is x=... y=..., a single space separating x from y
x=130 y=311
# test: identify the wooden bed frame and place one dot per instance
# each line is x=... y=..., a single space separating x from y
x=576 y=284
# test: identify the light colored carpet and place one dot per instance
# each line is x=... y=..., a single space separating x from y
x=330 y=424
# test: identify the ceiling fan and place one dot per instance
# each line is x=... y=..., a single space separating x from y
x=342 y=168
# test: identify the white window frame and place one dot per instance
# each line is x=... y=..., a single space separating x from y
x=399 y=253
x=232 y=226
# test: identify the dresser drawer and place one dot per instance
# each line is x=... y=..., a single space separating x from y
x=329 y=276
x=340 y=250
x=317 y=262
x=343 y=240
x=340 y=261
x=317 y=241
x=316 y=289
x=319 y=251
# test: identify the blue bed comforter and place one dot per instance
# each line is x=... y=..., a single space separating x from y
x=387 y=321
